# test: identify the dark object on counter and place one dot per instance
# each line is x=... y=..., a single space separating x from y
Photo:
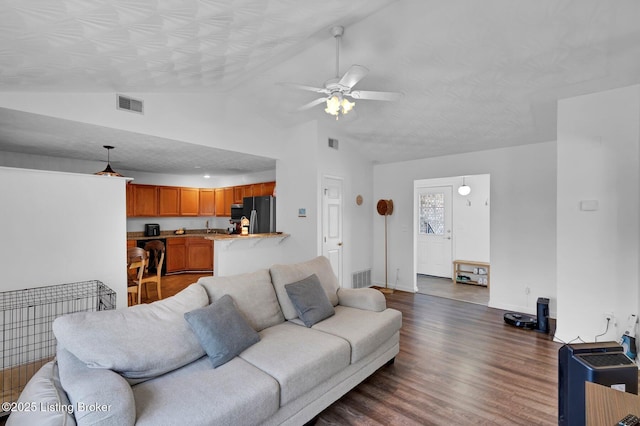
x=151 y=229
x=261 y=211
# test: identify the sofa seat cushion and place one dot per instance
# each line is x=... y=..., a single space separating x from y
x=252 y=293
x=364 y=330
x=140 y=342
x=282 y=275
x=235 y=393
x=299 y=358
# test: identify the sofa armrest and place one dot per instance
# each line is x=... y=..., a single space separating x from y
x=98 y=395
x=368 y=299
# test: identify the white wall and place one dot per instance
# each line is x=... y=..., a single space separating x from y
x=62 y=228
x=347 y=163
x=215 y=121
x=598 y=151
x=297 y=177
x=522 y=209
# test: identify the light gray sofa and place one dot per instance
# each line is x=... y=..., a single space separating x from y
x=145 y=365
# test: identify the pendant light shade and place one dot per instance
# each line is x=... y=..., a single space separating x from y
x=464 y=189
x=108 y=171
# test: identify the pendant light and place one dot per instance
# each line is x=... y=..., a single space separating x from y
x=108 y=171
x=464 y=189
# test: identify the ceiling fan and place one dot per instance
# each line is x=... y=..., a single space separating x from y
x=336 y=90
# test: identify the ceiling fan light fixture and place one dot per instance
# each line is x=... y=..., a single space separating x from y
x=108 y=171
x=337 y=105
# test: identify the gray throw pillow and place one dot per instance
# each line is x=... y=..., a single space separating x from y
x=310 y=300
x=222 y=330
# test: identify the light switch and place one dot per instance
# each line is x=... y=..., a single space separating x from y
x=589 y=205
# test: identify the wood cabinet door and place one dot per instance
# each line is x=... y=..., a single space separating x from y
x=247 y=191
x=219 y=201
x=129 y=195
x=268 y=188
x=176 y=254
x=207 y=202
x=189 y=201
x=145 y=200
x=228 y=200
x=199 y=254
x=169 y=201
x=238 y=194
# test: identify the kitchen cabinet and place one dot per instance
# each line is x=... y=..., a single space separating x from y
x=129 y=196
x=238 y=194
x=223 y=201
x=168 y=201
x=176 y=201
x=199 y=254
x=145 y=200
x=207 y=202
x=176 y=254
x=268 y=188
x=189 y=201
x=247 y=191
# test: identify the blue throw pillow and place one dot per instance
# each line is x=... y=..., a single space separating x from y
x=222 y=330
x=310 y=301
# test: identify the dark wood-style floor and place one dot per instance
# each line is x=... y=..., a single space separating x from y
x=459 y=363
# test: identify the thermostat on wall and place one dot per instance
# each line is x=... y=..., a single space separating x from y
x=589 y=205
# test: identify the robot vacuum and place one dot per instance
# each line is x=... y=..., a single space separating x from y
x=521 y=320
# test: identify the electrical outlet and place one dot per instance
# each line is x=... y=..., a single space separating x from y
x=609 y=316
x=527 y=290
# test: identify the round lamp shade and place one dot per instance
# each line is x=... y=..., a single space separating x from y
x=384 y=207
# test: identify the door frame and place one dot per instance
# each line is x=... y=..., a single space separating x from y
x=340 y=179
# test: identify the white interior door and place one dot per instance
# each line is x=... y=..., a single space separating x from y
x=332 y=223
x=434 y=248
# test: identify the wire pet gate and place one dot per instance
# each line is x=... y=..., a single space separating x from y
x=27 y=341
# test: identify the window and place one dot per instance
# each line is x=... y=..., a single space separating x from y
x=432 y=213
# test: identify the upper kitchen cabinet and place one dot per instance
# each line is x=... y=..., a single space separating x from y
x=145 y=200
x=207 y=202
x=223 y=201
x=189 y=201
x=168 y=201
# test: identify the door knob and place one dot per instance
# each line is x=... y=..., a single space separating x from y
x=340 y=244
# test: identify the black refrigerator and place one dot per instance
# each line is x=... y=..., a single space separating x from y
x=261 y=211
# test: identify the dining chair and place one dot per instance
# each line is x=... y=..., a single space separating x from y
x=136 y=263
x=155 y=251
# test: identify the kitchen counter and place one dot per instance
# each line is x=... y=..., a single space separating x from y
x=215 y=237
x=171 y=234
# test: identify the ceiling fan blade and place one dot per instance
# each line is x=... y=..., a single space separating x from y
x=353 y=76
x=304 y=87
x=375 y=96
x=312 y=104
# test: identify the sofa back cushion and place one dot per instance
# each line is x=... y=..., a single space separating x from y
x=282 y=275
x=140 y=342
x=252 y=293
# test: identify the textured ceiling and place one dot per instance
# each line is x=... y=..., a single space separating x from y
x=475 y=74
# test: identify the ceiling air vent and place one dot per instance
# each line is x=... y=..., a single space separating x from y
x=130 y=104
x=333 y=143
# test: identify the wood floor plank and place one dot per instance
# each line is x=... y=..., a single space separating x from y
x=458 y=362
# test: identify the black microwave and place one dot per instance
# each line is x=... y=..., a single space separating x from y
x=236 y=211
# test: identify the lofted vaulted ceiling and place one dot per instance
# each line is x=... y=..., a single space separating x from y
x=474 y=75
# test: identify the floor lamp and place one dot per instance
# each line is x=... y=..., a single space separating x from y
x=385 y=208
